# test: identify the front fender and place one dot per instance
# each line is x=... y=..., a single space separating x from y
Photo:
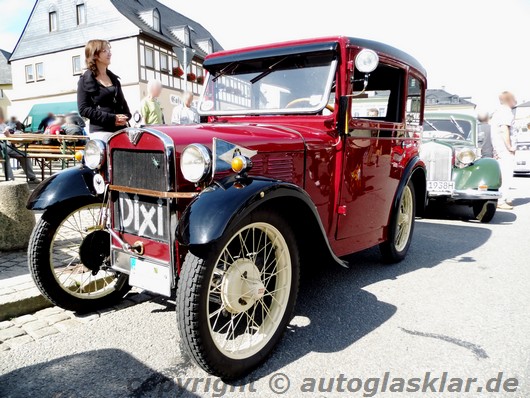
x=219 y=206
x=484 y=171
x=72 y=183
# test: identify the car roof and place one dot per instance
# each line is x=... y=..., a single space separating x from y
x=307 y=46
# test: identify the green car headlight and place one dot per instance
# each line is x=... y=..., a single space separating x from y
x=466 y=156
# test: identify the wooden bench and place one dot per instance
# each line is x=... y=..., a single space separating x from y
x=45 y=154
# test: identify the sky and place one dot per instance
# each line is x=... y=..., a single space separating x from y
x=473 y=48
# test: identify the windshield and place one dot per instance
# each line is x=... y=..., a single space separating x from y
x=299 y=83
x=451 y=128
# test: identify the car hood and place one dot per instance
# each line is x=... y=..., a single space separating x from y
x=261 y=138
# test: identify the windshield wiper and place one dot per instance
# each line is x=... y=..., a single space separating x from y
x=430 y=124
x=460 y=129
x=231 y=67
x=267 y=72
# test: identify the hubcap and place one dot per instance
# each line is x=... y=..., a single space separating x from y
x=241 y=286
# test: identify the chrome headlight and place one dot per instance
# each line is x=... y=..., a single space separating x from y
x=465 y=156
x=195 y=162
x=95 y=153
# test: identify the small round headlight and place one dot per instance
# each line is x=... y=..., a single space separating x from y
x=195 y=162
x=95 y=153
x=466 y=156
x=366 y=61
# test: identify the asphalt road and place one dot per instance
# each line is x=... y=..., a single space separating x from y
x=455 y=310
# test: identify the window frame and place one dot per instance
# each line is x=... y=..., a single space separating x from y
x=81 y=16
x=157 y=22
x=166 y=57
x=39 y=77
x=53 y=21
x=29 y=71
x=74 y=71
x=151 y=58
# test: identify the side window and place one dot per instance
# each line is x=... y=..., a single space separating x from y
x=381 y=99
x=415 y=90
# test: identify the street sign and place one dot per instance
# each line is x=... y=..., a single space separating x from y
x=184 y=55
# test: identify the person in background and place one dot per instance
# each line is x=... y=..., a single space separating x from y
x=185 y=113
x=7 y=131
x=502 y=144
x=150 y=107
x=99 y=95
x=74 y=124
x=45 y=122
x=56 y=126
x=484 y=135
x=15 y=124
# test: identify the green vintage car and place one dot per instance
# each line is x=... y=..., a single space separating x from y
x=455 y=171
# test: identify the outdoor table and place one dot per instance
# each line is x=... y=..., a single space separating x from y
x=24 y=139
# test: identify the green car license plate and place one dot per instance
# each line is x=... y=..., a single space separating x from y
x=441 y=186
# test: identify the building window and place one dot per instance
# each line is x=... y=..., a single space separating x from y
x=149 y=58
x=164 y=67
x=81 y=14
x=39 y=69
x=76 y=65
x=156 y=20
x=206 y=45
x=30 y=76
x=52 y=19
x=182 y=33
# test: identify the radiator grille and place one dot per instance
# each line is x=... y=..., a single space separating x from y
x=139 y=169
x=438 y=159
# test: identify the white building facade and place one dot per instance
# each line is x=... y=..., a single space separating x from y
x=49 y=56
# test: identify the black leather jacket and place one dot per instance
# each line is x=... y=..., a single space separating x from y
x=99 y=104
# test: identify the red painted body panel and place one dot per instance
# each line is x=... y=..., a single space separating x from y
x=355 y=174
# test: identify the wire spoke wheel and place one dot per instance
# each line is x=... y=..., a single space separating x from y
x=69 y=258
x=405 y=219
x=80 y=234
x=249 y=290
x=235 y=301
x=401 y=227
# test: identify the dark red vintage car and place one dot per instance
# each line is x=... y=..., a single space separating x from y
x=310 y=153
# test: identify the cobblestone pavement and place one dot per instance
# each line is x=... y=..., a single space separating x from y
x=49 y=321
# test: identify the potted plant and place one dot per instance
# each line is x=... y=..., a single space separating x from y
x=200 y=80
x=191 y=77
x=177 y=71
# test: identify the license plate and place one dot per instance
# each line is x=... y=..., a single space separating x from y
x=150 y=276
x=142 y=216
x=440 y=186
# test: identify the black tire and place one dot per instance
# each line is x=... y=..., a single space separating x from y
x=395 y=248
x=484 y=210
x=54 y=260
x=201 y=312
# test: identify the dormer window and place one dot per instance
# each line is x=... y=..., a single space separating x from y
x=156 y=20
x=52 y=20
x=206 y=45
x=182 y=33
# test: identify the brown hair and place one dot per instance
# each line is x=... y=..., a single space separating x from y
x=92 y=50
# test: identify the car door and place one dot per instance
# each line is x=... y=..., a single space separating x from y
x=373 y=150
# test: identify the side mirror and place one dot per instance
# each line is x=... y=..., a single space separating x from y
x=137 y=117
x=343 y=115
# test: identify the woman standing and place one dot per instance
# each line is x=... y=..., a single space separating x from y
x=99 y=94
